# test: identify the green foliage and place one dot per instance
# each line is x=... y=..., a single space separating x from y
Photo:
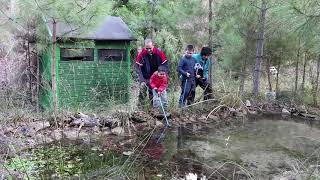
x=25 y=166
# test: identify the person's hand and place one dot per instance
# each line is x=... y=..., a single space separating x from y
x=143 y=84
x=188 y=74
x=198 y=76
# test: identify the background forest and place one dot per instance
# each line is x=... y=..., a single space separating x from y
x=248 y=38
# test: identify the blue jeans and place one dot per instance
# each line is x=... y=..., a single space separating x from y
x=188 y=88
x=157 y=97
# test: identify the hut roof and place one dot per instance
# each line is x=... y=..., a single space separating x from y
x=110 y=28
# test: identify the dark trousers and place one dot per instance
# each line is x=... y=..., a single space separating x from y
x=206 y=86
x=187 y=89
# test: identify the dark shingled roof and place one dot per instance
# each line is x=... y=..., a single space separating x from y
x=110 y=28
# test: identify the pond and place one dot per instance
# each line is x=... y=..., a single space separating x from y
x=263 y=149
x=257 y=149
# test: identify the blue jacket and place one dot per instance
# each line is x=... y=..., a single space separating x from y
x=204 y=63
x=186 y=66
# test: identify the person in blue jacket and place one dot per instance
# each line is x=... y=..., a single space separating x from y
x=187 y=76
x=202 y=66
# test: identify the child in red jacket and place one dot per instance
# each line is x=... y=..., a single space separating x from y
x=159 y=84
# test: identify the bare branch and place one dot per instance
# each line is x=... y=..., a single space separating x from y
x=299 y=11
x=42 y=10
x=253 y=4
x=82 y=8
x=79 y=27
x=11 y=19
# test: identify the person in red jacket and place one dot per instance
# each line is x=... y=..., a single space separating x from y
x=147 y=62
x=159 y=84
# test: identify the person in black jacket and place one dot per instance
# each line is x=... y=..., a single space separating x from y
x=147 y=62
x=187 y=76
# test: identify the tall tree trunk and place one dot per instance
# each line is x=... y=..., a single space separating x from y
x=53 y=67
x=210 y=39
x=268 y=74
x=259 y=51
x=297 y=72
x=315 y=93
x=304 y=72
x=277 y=78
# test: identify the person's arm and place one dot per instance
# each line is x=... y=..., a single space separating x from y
x=180 y=67
x=139 y=72
x=164 y=61
x=163 y=85
x=206 y=70
x=138 y=66
x=152 y=81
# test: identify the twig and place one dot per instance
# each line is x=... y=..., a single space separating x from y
x=215 y=109
x=199 y=103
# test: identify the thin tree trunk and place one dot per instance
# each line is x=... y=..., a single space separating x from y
x=297 y=72
x=210 y=39
x=315 y=94
x=209 y=23
x=38 y=84
x=53 y=67
x=259 y=51
x=304 y=72
x=277 y=78
x=268 y=74
x=29 y=72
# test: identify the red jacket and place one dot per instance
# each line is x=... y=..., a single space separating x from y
x=161 y=83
